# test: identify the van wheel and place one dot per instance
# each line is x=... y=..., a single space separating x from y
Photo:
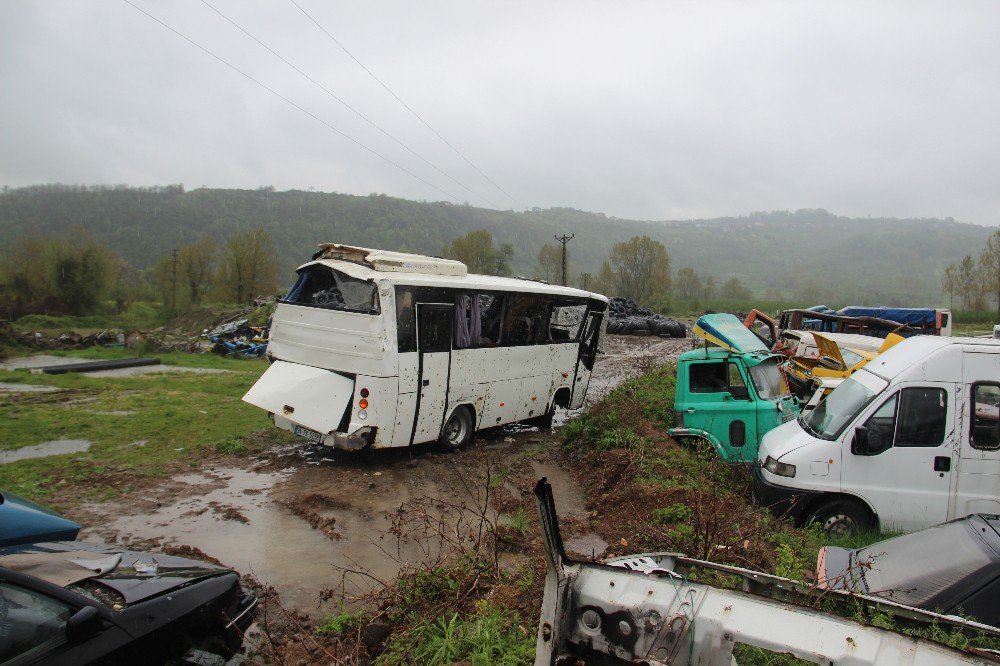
x=457 y=432
x=841 y=518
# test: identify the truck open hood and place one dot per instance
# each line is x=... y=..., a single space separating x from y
x=728 y=332
x=311 y=397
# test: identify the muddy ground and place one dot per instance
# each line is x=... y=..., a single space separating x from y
x=317 y=525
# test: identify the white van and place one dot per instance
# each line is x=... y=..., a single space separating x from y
x=910 y=440
x=384 y=349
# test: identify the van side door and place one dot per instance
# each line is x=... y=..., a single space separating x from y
x=978 y=482
x=900 y=458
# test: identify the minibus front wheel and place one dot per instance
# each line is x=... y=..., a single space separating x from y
x=841 y=518
x=458 y=430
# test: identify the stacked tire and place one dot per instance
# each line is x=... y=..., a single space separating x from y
x=627 y=318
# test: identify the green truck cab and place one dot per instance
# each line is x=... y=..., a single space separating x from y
x=730 y=391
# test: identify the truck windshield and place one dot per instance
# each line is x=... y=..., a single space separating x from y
x=839 y=408
x=320 y=286
x=767 y=379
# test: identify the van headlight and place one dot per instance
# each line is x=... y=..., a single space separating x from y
x=779 y=468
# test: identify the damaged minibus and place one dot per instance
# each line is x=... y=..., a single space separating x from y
x=377 y=349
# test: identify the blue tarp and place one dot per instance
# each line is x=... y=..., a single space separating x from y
x=910 y=316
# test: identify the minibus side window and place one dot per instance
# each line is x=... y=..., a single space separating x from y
x=477 y=319
x=922 y=413
x=406 y=322
x=526 y=321
x=985 y=433
x=566 y=322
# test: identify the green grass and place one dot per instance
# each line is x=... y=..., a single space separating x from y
x=173 y=417
x=490 y=635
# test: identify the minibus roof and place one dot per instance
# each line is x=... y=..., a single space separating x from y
x=469 y=281
x=921 y=348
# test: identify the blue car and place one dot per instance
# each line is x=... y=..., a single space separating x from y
x=22 y=521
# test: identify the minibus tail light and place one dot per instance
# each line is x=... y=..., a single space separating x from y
x=363 y=404
x=364 y=392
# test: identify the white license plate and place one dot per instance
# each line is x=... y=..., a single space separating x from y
x=311 y=435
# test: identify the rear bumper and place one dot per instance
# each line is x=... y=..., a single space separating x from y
x=356 y=441
x=786 y=502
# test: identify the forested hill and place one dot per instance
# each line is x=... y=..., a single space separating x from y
x=786 y=253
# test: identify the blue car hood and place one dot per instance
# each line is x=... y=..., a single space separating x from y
x=23 y=521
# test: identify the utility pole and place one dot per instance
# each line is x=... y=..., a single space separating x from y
x=173 y=283
x=564 y=239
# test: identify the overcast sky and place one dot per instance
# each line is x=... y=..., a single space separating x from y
x=648 y=110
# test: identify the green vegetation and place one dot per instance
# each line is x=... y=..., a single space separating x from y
x=808 y=256
x=342 y=622
x=138 y=425
x=489 y=635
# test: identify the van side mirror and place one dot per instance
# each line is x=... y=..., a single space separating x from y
x=739 y=392
x=859 y=445
x=83 y=624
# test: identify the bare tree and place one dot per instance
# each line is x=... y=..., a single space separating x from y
x=949 y=283
x=989 y=265
x=549 y=262
x=248 y=265
x=641 y=268
x=196 y=263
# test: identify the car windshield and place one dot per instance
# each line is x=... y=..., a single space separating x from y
x=839 y=408
x=910 y=569
x=767 y=379
x=851 y=358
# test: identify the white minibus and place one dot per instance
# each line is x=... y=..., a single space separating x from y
x=908 y=441
x=383 y=349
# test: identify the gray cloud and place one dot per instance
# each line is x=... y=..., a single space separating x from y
x=648 y=110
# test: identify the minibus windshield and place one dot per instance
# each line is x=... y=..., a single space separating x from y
x=768 y=381
x=320 y=286
x=839 y=408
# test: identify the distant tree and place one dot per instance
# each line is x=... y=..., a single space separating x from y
x=708 y=288
x=970 y=284
x=549 y=263
x=641 y=269
x=604 y=283
x=949 y=283
x=989 y=266
x=195 y=267
x=248 y=265
x=733 y=289
x=24 y=268
x=585 y=281
x=687 y=285
x=475 y=250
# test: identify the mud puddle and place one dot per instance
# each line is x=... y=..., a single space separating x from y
x=307 y=519
x=54 y=448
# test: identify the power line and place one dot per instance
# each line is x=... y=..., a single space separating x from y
x=348 y=106
x=290 y=102
x=405 y=105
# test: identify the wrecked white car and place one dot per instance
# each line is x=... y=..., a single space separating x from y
x=647 y=609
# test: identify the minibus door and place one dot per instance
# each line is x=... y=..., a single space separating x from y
x=588 y=354
x=433 y=363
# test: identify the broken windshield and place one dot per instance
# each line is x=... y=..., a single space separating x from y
x=320 y=286
x=840 y=408
x=768 y=380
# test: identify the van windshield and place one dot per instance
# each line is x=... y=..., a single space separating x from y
x=768 y=381
x=320 y=286
x=839 y=408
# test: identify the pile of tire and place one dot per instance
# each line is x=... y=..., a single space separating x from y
x=627 y=318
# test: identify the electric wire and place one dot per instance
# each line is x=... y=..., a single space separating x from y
x=290 y=102
x=405 y=105
x=348 y=106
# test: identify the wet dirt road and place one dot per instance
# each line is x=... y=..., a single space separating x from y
x=303 y=519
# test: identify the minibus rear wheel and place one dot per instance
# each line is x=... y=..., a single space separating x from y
x=457 y=432
x=841 y=518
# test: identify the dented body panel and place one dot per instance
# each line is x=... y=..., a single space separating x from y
x=645 y=609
